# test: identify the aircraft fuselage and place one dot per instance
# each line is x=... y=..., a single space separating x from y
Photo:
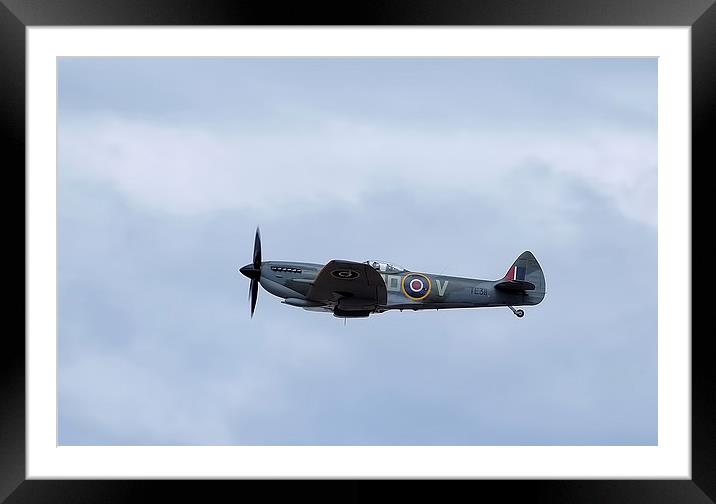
x=407 y=290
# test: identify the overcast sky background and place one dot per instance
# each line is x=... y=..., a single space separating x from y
x=455 y=166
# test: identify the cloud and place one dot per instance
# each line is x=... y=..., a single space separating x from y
x=184 y=170
x=449 y=166
x=156 y=346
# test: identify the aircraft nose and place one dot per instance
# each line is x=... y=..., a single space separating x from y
x=249 y=271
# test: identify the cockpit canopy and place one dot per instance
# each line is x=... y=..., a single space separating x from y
x=386 y=267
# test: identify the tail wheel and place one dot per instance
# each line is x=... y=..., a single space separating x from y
x=520 y=313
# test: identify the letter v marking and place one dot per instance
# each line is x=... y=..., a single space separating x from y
x=441 y=288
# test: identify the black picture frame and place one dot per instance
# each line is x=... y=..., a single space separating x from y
x=16 y=15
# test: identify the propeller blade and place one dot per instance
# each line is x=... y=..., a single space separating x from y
x=253 y=292
x=257 y=249
x=253 y=272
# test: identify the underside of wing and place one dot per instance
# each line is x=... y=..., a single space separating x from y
x=350 y=285
x=426 y=306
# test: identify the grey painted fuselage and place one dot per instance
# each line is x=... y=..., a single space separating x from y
x=292 y=281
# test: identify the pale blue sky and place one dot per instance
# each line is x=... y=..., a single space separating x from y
x=450 y=166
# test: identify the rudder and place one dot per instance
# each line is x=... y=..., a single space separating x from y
x=525 y=275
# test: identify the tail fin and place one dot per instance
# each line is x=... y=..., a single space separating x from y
x=525 y=275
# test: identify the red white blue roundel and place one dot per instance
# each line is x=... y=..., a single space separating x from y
x=416 y=286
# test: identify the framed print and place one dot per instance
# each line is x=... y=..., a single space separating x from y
x=153 y=140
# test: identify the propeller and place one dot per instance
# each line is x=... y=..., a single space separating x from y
x=253 y=271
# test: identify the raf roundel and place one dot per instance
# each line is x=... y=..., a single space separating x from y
x=416 y=286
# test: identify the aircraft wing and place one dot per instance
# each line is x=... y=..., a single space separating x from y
x=349 y=282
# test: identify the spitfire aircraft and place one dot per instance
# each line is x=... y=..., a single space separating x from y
x=356 y=289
